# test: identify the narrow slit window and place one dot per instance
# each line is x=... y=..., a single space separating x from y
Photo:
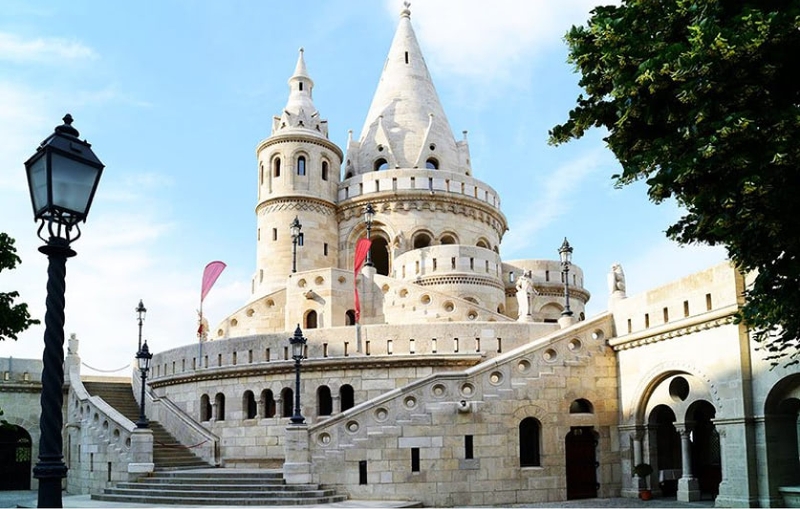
x=468 y=452
x=685 y=308
x=666 y=315
x=499 y=345
x=415 y=459
x=646 y=320
x=406 y=56
x=455 y=345
x=362 y=472
x=708 y=302
x=433 y=345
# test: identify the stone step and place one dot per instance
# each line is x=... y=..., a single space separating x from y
x=168 y=453
x=225 y=492
x=188 y=501
x=220 y=487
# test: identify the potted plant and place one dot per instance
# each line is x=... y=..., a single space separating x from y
x=643 y=471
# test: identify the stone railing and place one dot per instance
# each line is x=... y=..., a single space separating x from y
x=435 y=181
x=111 y=448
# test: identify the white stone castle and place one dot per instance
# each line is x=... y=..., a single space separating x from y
x=464 y=379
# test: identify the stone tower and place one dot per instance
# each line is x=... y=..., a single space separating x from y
x=435 y=224
x=298 y=176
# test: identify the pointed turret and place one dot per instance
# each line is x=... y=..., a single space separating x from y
x=298 y=177
x=406 y=126
x=300 y=112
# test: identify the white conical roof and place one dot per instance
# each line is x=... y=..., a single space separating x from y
x=300 y=113
x=406 y=124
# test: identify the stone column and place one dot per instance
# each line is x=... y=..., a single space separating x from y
x=639 y=483
x=260 y=408
x=213 y=416
x=297 y=464
x=336 y=405
x=688 y=486
x=141 y=453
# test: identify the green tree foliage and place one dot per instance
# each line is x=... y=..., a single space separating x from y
x=14 y=318
x=700 y=98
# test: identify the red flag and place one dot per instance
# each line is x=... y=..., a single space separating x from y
x=210 y=275
x=362 y=248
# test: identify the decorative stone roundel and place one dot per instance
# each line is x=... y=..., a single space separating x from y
x=410 y=402
x=438 y=391
x=679 y=388
x=381 y=414
x=574 y=344
x=550 y=355
x=523 y=365
x=352 y=426
x=319 y=281
x=467 y=389
x=598 y=335
x=324 y=439
x=496 y=378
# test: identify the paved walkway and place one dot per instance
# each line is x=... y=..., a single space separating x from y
x=29 y=499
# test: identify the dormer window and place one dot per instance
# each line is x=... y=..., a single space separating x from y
x=381 y=164
x=432 y=164
x=301 y=165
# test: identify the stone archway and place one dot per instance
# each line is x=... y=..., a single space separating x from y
x=15 y=458
x=706 y=457
x=581 y=462
x=379 y=252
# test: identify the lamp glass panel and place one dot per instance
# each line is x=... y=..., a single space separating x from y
x=37 y=181
x=73 y=183
x=297 y=349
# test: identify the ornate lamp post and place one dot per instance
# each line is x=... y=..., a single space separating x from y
x=62 y=176
x=565 y=252
x=143 y=357
x=141 y=311
x=298 y=343
x=369 y=215
x=295 y=228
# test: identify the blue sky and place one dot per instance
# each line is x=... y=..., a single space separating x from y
x=175 y=95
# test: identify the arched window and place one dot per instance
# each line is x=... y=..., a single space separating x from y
x=529 y=442
x=581 y=406
x=269 y=403
x=205 y=408
x=346 y=397
x=350 y=317
x=447 y=239
x=219 y=399
x=301 y=165
x=249 y=405
x=324 y=400
x=261 y=174
x=324 y=170
x=276 y=167
x=287 y=402
x=311 y=320
x=381 y=164
x=422 y=240
x=348 y=175
x=432 y=164
x=483 y=243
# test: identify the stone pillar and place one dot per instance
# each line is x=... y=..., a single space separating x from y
x=261 y=408
x=688 y=486
x=639 y=483
x=213 y=416
x=141 y=453
x=297 y=464
x=336 y=405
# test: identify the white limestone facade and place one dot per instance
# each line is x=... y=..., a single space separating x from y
x=445 y=391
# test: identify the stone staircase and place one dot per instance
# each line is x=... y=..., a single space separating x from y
x=168 y=453
x=218 y=487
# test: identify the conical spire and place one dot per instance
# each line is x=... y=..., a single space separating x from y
x=406 y=124
x=300 y=112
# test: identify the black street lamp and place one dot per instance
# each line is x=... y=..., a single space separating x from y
x=565 y=253
x=143 y=357
x=141 y=311
x=295 y=228
x=298 y=343
x=62 y=176
x=369 y=215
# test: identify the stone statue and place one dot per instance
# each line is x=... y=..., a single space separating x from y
x=616 y=280
x=525 y=294
x=202 y=327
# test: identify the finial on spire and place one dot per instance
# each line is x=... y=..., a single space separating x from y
x=406 y=12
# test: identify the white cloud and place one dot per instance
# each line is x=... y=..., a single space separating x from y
x=552 y=201
x=481 y=40
x=48 y=49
